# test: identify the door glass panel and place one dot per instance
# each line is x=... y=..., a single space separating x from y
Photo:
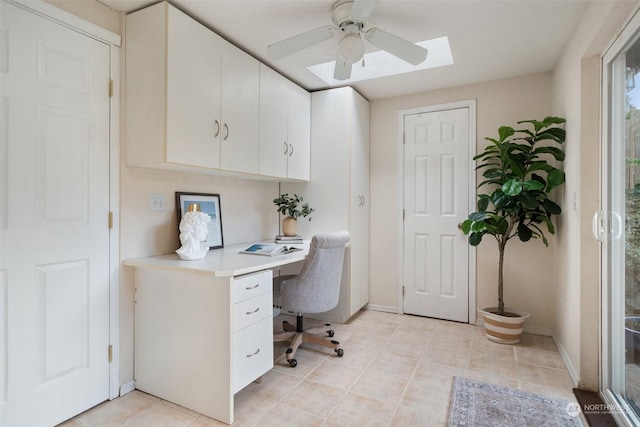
x=631 y=228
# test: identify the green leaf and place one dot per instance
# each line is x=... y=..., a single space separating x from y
x=555 y=179
x=557 y=153
x=479 y=216
x=524 y=233
x=475 y=238
x=528 y=200
x=544 y=166
x=500 y=199
x=478 y=226
x=466 y=226
x=512 y=187
x=505 y=132
x=555 y=134
x=536 y=124
x=554 y=120
x=551 y=207
x=483 y=202
x=532 y=184
x=492 y=173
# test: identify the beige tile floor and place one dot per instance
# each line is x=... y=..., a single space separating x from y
x=397 y=370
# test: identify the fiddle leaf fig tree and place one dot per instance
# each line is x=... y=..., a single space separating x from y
x=519 y=177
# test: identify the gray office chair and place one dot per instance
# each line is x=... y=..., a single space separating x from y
x=315 y=289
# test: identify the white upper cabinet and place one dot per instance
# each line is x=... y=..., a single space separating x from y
x=299 y=132
x=240 y=106
x=192 y=98
x=173 y=90
x=285 y=127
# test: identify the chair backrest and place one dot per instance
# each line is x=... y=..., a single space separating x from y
x=317 y=287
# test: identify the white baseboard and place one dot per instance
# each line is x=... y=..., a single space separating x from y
x=385 y=308
x=573 y=373
x=127 y=388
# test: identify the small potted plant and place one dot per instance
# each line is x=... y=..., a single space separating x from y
x=292 y=207
x=517 y=169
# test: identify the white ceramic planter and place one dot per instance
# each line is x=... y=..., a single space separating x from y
x=503 y=329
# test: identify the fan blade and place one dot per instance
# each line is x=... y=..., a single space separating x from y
x=300 y=42
x=362 y=10
x=396 y=46
x=342 y=70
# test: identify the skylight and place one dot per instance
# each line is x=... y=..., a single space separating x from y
x=382 y=64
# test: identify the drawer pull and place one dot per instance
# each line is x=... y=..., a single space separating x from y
x=254 y=311
x=256 y=352
x=252 y=287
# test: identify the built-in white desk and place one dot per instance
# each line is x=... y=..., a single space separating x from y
x=204 y=329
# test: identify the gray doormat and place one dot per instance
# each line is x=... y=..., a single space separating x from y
x=474 y=403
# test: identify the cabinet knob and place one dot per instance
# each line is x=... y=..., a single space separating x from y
x=226 y=135
x=217 y=123
x=290 y=150
x=286 y=148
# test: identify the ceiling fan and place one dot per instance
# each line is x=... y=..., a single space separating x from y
x=350 y=17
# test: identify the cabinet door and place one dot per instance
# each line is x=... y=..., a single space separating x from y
x=299 y=132
x=274 y=146
x=240 y=103
x=193 y=98
x=359 y=221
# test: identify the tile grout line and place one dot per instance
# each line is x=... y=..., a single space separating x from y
x=415 y=369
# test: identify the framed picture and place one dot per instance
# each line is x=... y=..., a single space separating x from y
x=209 y=204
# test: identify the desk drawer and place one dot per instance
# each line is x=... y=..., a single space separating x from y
x=252 y=310
x=252 y=353
x=251 y=285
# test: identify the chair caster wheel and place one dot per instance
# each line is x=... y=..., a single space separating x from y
x=293 y=363
x=330 y=333
x=340 y=352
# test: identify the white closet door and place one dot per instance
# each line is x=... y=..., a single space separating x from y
x=54 y=234
x=436 y=253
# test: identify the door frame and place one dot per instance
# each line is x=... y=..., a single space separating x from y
x=471 y=105
x=114 y=41
x=611 y=343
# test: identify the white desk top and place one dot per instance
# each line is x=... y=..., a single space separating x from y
x=222 y=262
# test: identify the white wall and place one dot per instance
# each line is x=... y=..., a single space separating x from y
x=576 y=91
x=528 y=268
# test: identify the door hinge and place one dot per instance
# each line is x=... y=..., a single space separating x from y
x=403 y=291
x=110 y=353
x=110 y=220
x=110 y=88
x=403 y=214
x=404 y=138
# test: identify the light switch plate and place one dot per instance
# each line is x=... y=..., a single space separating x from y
x=156 y=203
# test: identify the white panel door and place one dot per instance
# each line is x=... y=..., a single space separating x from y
x=436 y=183
x=54 y=236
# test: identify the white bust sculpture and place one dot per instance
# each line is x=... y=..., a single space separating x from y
x=193 y=231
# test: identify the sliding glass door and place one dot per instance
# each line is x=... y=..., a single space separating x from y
x=617 y=226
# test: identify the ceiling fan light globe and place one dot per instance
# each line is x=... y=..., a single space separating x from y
x=351 y=48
